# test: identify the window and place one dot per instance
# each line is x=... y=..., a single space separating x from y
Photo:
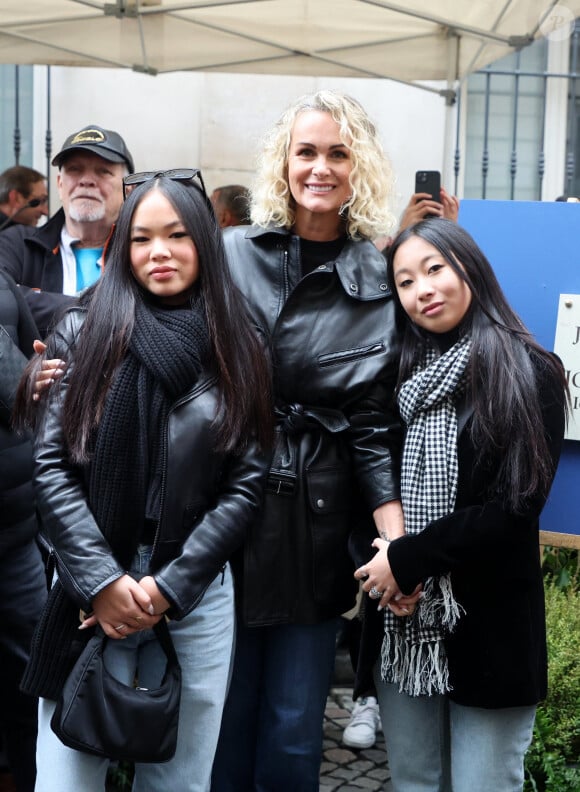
x=511 y=108
x=15 y=82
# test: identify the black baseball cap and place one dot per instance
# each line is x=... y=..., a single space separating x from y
x=104 y=142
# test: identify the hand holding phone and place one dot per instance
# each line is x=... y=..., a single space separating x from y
x=422 y=204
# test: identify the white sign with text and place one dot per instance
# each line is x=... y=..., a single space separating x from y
x=567 y=347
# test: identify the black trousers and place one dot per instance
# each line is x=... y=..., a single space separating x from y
x=22 y=596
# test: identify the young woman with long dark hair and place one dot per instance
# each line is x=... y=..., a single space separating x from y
x=149 y=471
x=460 y=675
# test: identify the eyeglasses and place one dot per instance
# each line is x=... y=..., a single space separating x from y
x=34 y=202
x=177 y=174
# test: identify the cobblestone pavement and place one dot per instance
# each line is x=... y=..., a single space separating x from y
x=348 y=769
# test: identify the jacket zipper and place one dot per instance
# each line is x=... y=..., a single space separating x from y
x=285 y=276
x=162 y=488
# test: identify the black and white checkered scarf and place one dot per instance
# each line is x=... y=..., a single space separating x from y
x=413 y=654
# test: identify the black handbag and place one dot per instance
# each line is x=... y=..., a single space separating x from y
x=99 y=715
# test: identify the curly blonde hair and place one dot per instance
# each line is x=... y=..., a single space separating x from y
x=367 y=211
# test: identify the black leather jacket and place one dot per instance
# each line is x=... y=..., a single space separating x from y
x=208 y=500
x=331 y=339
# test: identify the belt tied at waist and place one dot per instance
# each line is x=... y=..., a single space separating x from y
x=298 y=418
x=293 y=420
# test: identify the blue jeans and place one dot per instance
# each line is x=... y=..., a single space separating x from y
x=436 y=745
x=203 y=642
x=271 y=736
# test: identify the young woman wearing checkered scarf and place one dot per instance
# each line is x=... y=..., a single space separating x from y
x=463 y=663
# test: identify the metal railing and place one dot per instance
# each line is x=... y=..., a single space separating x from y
x=572 y=164
x=17 y=132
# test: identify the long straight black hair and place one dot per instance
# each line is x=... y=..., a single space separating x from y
x=507 y=427
x=238 y=359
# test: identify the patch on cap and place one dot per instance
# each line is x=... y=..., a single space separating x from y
x=88 y=136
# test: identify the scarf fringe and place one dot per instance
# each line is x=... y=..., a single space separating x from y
x=439 y=608
x=416 y=668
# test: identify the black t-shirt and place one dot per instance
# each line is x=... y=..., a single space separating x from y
x=313 y=254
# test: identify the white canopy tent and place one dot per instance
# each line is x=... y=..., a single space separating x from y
x=417 y=40
x=432 y=45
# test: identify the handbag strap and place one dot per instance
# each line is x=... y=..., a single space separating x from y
x=164 y=636
x=161 y=630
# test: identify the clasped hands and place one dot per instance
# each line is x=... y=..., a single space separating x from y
x=377 y=576
x=127 y=606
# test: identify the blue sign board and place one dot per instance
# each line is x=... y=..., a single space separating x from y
x=534 y=248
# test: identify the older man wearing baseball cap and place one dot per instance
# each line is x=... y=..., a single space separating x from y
x=55 y=262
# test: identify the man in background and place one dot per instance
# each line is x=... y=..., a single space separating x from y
x=23 y=197
x=231 y=205
x=55 y=262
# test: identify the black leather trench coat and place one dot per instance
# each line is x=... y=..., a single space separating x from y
x=336 y=458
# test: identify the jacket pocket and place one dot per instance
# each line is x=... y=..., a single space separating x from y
x=330 y=501
x=328 y=490
x=350 y=355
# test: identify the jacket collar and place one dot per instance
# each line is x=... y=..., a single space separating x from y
x=48 y=235
x=361 y=268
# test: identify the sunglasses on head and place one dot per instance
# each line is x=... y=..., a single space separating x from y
x=177 y=174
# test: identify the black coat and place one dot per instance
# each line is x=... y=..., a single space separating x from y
x=31 y=256
x=497 y=654
x=17 y=511
x=331 y=339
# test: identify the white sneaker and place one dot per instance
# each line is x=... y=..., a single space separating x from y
x=361 y=730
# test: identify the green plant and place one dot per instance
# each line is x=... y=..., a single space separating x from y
x=561 y=565
x=553 y=760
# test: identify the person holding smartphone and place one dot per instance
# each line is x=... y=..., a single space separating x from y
x=422 y=205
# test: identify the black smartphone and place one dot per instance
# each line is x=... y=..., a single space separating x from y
x=428 y=182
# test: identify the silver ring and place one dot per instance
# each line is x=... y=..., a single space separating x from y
x=374 y=594
x=121 y=627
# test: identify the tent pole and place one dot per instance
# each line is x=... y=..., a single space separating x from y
x=48 y=135
x=451 y=107
x=17 y=136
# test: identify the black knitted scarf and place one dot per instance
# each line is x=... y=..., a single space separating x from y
x=167 y=351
